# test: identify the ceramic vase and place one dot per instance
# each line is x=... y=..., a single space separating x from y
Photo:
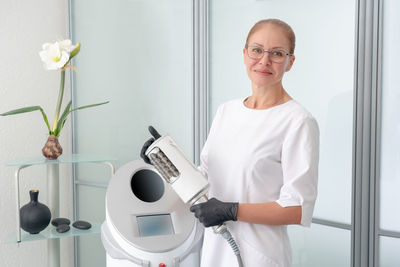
x=52 y=149
x=35 y=216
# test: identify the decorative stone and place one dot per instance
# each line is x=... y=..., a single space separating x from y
x=83 y=225
x=58 y=221
x=62 y=228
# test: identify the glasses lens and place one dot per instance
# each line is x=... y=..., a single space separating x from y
x=255 y=52
x=277 y=55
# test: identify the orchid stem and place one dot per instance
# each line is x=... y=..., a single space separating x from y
x=59 y=101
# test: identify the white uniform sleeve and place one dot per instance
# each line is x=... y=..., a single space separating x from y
x=203 y=168
x=300 y=154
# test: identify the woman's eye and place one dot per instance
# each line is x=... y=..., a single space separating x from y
x=278 y=53
x=257 y=50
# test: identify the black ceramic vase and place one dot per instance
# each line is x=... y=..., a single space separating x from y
x=35 y=216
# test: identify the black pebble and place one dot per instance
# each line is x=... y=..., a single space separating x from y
x=62 y=228
x=83 y=225
x=58 y=221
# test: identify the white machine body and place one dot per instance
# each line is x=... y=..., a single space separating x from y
x=147 y=224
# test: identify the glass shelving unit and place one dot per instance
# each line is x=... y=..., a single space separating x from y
x=50 y=232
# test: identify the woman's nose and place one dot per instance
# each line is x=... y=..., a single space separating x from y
x=265 y=60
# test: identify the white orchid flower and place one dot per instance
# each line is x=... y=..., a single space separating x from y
x=56 y=55
x=66 y=45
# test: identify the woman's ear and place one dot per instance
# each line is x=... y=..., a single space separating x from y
x=290 y=64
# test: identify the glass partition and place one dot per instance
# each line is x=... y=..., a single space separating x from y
x=389 y=248
x=137 y=54
x=390 y=129
x=320 y=246
x=389 y=176
x=91 y=203
x=322 y=80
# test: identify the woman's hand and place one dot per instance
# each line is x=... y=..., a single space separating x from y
x=215 y=212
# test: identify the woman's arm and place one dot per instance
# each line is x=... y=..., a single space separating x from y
x=270 y=213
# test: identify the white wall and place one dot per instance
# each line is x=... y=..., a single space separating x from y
x=24 y=26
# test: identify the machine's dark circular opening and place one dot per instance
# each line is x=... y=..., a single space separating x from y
x=147 y=185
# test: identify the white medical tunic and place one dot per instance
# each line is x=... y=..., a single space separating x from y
x=258 y=156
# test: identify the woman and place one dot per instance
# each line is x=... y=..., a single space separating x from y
x=261 y=160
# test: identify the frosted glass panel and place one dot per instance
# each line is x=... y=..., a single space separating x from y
x=92 y=209
x=91 y=251
x=389 y=248
x=137 y=54
x=390 y=131
x=320 y=246
x=94 y=172
x=321 y=79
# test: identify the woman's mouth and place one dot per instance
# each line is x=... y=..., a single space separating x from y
x=263 y=72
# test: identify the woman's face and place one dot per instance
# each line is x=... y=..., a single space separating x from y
x=263 y=72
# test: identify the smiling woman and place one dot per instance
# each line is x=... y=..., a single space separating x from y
x=261 y=157
x=267 y=59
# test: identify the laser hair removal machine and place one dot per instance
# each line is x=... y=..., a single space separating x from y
x=147 y=224
x=183 y=176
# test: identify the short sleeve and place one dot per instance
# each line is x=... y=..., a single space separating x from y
x=203 y=168
x=300 y=156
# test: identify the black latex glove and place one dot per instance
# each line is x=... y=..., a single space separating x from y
x=215 y=212
x=148 y=143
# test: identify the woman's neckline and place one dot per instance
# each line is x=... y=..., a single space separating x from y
x=264 y=109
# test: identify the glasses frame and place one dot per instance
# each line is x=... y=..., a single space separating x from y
x=266 y=51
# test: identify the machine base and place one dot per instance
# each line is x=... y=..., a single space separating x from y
x=192 y=260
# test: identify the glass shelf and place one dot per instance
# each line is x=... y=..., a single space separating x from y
x=53 y=192
x=50 y=233
x=63 y=159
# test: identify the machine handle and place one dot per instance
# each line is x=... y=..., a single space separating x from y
x=154 y=132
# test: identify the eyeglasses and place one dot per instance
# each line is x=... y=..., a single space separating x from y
x=275 y=55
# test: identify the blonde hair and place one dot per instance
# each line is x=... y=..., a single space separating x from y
x=277 y=22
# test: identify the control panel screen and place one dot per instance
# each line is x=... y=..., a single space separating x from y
x=153 y=225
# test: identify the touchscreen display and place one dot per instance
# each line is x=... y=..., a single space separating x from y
x=152 y=225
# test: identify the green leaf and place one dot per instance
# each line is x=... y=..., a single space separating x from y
x=28 y=109
x=45 y=120
x=66 y=112
x=89 y=106
x=21 y=110
x=62 y=119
